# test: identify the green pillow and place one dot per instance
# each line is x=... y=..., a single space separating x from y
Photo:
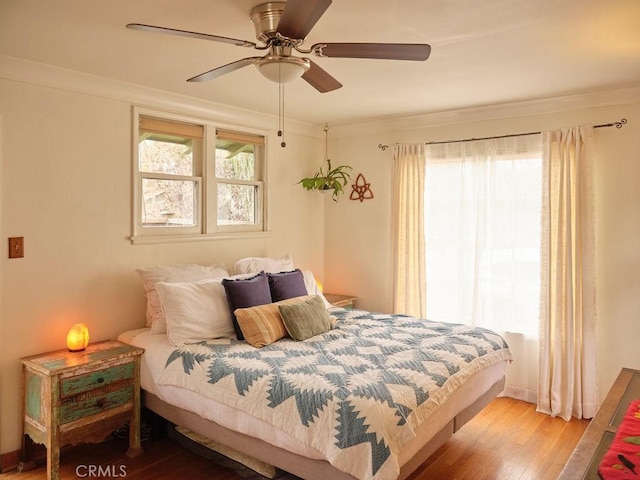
x=305 y=319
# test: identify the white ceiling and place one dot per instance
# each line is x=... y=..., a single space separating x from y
x=483 y=52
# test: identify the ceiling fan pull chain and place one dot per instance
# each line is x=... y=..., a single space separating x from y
x=281 y=110
x=283 y=144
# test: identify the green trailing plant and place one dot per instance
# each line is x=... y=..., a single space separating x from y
x=330 y=179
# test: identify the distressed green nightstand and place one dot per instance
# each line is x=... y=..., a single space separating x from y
x=344 y=301
x=79 y=397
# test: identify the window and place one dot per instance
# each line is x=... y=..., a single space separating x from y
x=482 y=234
x=170 y=175
x=239 y=188
x=193 y=180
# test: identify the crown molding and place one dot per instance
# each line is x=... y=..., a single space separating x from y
x=20 y=70
x=579 y=101
x=16 y=69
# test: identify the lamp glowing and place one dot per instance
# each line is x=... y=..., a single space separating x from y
x=78 y=337
x=319 y=283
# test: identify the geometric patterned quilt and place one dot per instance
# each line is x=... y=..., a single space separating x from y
x=355 y=394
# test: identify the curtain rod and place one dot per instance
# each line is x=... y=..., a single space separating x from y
x=604 y=125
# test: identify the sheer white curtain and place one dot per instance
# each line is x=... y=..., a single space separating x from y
x=567 y=370
x=408 y=230
x=482 y=223
x=507 y=243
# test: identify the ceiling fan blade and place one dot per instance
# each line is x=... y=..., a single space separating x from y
x=185 y=33
x=320 y=79
x=389 y=51
x=300 y=16
x=219 y=71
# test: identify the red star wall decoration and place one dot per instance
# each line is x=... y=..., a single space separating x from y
x=361 y=189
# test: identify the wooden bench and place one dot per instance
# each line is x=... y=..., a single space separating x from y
x=583 y=463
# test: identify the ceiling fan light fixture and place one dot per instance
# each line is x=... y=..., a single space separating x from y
x=280 y=69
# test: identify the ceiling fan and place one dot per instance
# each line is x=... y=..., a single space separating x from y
x=281 y=28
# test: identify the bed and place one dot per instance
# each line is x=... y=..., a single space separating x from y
x=331 y=429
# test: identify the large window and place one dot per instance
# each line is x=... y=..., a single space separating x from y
x=194 y=180
x=482 y=233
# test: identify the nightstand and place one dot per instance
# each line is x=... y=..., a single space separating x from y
x=79 y=397
x=344 y=301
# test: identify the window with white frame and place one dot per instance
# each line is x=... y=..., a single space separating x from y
x=238 y=180
x=193 y=179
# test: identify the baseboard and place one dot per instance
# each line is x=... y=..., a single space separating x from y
x=9 y=461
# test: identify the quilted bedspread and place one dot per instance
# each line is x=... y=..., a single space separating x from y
x=355 y=394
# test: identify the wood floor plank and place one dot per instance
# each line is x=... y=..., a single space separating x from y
x=508 y=440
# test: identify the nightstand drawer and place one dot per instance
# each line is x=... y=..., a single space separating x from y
x=94 y=401
x=101 y=378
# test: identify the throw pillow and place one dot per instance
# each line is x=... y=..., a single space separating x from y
x=285 y=285
x=248 y=292
x=262 y=325
x=306 y=319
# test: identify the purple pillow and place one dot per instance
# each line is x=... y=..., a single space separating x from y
x=286 y=285
x=244 y=293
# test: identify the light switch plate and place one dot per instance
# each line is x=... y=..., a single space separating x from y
x=16 y=247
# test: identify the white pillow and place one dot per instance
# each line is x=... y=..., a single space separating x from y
x=264 y=264
x=171 y=274
x=195 y=311
x=312 y=286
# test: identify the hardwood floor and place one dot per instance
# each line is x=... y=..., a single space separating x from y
x=508 y=440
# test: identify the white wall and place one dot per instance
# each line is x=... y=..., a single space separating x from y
x=65 y=185
x=358 y=235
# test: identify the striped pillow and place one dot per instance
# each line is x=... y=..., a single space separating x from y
x=262 y=325
x=307 y=318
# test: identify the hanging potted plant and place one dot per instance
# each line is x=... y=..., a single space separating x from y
x=330 y=178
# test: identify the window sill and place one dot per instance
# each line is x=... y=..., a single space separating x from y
x=200 y=237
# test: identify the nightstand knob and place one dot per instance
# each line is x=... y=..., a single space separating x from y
x=100 y=402
x=100 y=380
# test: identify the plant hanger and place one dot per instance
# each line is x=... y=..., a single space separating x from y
x=330 y=179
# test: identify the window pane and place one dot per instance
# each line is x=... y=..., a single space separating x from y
x=235 y=160
x=165 y=154
x=236 y=204
x=168 y=202
x=482 y=227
